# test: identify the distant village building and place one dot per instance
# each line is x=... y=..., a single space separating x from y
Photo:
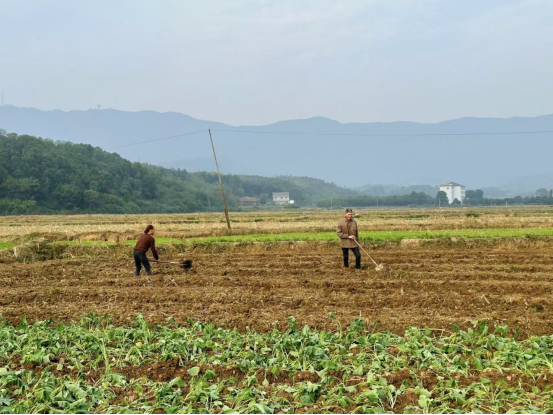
x=281 y=198
x=248 y=201
x=453 y=191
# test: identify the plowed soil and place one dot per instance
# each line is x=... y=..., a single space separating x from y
x=432 y=286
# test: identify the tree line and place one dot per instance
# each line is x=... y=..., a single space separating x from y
x=472 y=198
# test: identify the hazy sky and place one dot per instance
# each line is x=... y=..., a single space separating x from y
x=258 y=62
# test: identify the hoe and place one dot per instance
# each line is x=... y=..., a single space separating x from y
x=185 y=264
x=379 y=267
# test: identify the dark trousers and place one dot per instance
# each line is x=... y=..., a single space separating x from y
x=357 y=254
x=140 y=259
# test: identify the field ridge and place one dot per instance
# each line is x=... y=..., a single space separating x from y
x=364 y=236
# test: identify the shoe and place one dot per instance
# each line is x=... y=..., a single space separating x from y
x=136 y=274
x=148 y=273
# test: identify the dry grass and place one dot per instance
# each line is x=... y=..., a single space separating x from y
x=114 y=227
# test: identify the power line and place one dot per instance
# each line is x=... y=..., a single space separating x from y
x=335 y=134
x=157 y=139
x=385 y=135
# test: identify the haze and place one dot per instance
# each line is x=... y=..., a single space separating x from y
x=257 y=62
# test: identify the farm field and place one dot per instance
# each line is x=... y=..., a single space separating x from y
x=432 y=285
x=93 y=366
x=456 y=324
x=194 y=225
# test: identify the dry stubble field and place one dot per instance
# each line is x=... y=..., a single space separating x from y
x=108 y=227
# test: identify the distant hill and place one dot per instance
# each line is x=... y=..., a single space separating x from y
x=294 y=148
x=42 y=176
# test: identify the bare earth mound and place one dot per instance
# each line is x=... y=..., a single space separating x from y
x=426 y=286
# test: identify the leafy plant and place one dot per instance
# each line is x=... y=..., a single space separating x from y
x=94 y=366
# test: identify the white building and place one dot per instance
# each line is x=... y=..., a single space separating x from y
x=281 y=198
x=453 y=191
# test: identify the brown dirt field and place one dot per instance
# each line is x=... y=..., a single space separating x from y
x=255 y=286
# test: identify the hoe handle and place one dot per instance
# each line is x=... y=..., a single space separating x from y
x=163 y=262
x=363 y=249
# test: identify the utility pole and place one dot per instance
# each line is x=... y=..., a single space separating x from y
x=220 y=181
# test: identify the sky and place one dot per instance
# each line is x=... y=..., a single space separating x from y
x=257 y=62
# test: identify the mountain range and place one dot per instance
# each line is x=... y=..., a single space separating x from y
x=477 y=152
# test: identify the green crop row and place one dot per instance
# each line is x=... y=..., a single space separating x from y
x=159 y=241
x=376 y=236
x=93 y=366
x=368 y=236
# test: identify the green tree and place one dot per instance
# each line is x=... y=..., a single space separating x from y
x=20 y=188
x=69 y=195
x=91 y=198
x=441 y=198
x=542 y=192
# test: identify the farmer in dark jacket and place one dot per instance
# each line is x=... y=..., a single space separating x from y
x=347 y=231
x=144 y=243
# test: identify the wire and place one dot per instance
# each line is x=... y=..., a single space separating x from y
x=157 y=139
x=334 y=134
x=386 y=135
